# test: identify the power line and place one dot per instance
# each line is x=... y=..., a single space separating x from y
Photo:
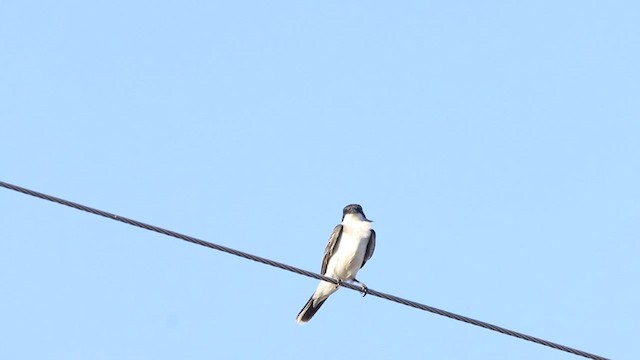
x=301 y=271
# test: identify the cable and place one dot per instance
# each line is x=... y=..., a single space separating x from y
x=301 y=271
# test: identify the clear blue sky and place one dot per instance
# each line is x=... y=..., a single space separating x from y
x=496 y=145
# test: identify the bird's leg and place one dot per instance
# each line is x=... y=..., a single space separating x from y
x=339 y=283
x=364 y=288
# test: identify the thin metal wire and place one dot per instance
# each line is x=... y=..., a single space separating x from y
x=301 y=271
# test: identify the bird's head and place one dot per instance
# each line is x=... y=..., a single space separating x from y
x=354 y=210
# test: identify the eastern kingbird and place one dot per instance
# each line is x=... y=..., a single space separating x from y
x=350 y=246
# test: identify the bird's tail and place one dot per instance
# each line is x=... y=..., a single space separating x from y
x=310 y=308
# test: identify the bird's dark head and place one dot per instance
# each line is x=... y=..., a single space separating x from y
x=353 y=209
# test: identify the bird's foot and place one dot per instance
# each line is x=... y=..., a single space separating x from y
x=363 y=288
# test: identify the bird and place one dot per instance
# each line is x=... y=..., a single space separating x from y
x=350 y=246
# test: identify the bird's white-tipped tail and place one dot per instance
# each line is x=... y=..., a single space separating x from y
x=315 y=302
x=308 y=311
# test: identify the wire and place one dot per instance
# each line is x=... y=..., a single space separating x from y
x=301 y=271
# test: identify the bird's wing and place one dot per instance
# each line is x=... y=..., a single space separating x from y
x=371 y=246
x=334 y=239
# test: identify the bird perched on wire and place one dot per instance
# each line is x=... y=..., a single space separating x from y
x=350 y=246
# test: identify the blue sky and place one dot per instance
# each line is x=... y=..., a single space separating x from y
x=494 y=144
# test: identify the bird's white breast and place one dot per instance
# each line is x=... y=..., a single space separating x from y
x=349 y=255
